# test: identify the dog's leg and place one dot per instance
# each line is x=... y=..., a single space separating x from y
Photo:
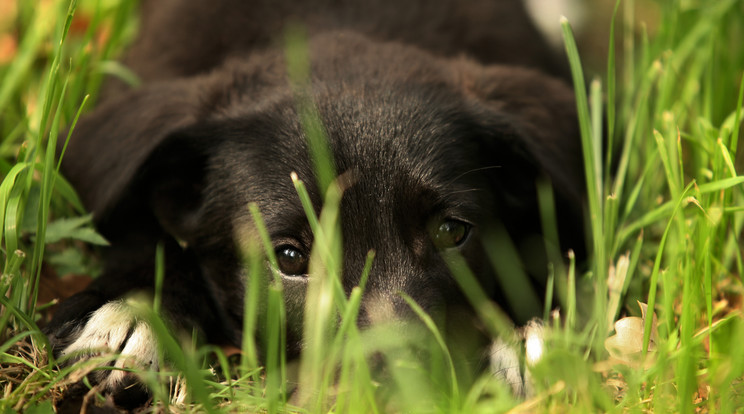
x=106 y=323
x=116 y=329
x=111 y=337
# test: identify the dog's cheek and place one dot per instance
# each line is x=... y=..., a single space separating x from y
x=295 y=292
x=294 y=289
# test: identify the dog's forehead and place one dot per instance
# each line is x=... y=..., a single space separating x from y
x=399 y=131
x=401 y=149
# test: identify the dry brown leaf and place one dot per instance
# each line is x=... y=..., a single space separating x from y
x=626 y=346
x=615 y=282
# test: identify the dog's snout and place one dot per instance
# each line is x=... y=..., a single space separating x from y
x=389 y=307
x=383 y=308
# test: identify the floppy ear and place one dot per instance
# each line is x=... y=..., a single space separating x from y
x=110 y=146
x=535 y=118
x=541 y=111
x=172 y=182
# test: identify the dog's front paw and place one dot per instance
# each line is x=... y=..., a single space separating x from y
x=511 y=362
x=119 y=340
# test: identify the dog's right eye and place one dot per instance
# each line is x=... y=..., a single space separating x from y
x=450 y=233
x=291 y=261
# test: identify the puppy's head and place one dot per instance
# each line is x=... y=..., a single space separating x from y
x=438 y=154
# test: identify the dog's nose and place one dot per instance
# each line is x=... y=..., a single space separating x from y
x=383 y=308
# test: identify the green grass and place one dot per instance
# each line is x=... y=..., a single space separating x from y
x=664 y=207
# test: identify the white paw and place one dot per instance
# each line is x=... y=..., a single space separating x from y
x=115 y=329
x=511 y=362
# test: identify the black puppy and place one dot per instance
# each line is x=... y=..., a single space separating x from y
x=437 y=110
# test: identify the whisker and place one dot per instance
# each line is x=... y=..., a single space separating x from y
x=469 y=190
x=491 y=167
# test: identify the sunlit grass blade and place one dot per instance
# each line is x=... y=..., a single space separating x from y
x=591 y=149
x=275 y=339
x=7 y=185
x=571 y=294
x=719 y=185
x=637 y=119
x=47 y=186
x=653 y=283
x=320 y=233
x=611 y=94
x=14 y=211
x=512 y=279
x=298 y=67
x=182 y=358
x=431 y=326
x=322 y=297
x=672 y=178
x=549 y=222
x=496 y=322
x=736 y=128
x=254 y=287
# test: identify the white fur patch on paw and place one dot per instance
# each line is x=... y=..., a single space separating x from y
x=116 y=329
x=511 y=362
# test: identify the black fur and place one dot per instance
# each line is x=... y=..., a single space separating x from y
x=436 y=109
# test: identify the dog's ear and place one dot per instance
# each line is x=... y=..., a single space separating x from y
x=172 y=180
x=540 y=114
x=118 y=153
x=109 y=145
x=534 y=131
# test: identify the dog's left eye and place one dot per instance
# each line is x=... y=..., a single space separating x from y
x=291 y=261
x=450 y=233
